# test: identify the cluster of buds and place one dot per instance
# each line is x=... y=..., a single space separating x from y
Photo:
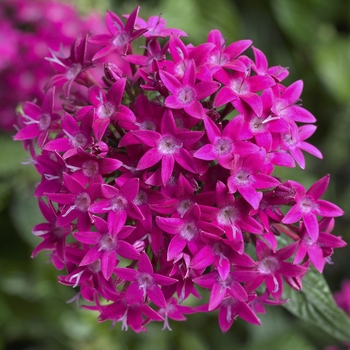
x=27 y=30
x=157 y=176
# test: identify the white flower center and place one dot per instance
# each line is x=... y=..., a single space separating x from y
x=243 y=177
x=105 y=110
x=107 y=243
x=90 y=168
x=268 y=265
x=187 y=95
x=227 y=215
x=73 y=71
x=168 y=145
x=223 y=146
x=82 y=202
x=44 y=122
x=189 y=230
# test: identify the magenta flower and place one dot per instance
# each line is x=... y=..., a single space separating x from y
x=187 y=94
x=316 y=251
x=54 y=237
x=308 y=206
x=107 y=243
x=69 y=67
x=76 y=202
x=108 y=107
x=144 y=283
x=38 y=122
x=221 y=56
x=118 y=203
x=120 y=36
x=224 y=144
x=270 y=267
x=169 y=146
x=77 y=136
x=187 y=232
x=285 y=104
x=245 y=178
x=238 y=87
x=155 y=27
x=294 y=142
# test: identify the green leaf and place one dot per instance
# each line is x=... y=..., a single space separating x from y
x=315 y=304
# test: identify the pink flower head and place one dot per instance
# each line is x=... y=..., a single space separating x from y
x=157 y=172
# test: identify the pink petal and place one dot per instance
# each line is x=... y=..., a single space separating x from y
x=204 y=258
x=316 y=257
x=189 y=77
x=156 y=295
x=176 y=246
x=311 y=225
x=87 y=237
x=206 y=89
x=184 y=158
x=170 y=82
x=150 y=158
x=225 y=95
x=217 y=295
x=292 y=93
x=293 y=215
x=319 y=187
x=108 y=263
x=92 y=255
x=254 y=101
x=127 y=251
x=195 y=110
x=145 y=264
x=328 y=209
x=251 y=196
x=167 y=168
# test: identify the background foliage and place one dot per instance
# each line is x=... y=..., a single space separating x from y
x=312 y=37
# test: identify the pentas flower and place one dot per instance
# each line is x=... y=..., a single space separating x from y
x=317 y=251
x=38 y=122
x=144 y=282
x=70 y=67
x=294 y=142
x=76 y=202
x=270 y=268
x=158 y=169
x=245 y=178
x=107 y=242
x=308 y=206
x=238 y=87
x=120 y=36
x=224 y=144
x=187 y=94
x=108 y=107
x=221 y=56
x=167 y=147
x=285 y=104
x=155 y=27
x=118 y=203
x=54 y=237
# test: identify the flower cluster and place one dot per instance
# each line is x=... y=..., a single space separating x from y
x=27 y=30
x=157 y=176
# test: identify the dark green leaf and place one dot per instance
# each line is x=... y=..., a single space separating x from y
x=315 y=304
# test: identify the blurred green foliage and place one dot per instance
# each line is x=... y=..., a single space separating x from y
x=312 y=37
